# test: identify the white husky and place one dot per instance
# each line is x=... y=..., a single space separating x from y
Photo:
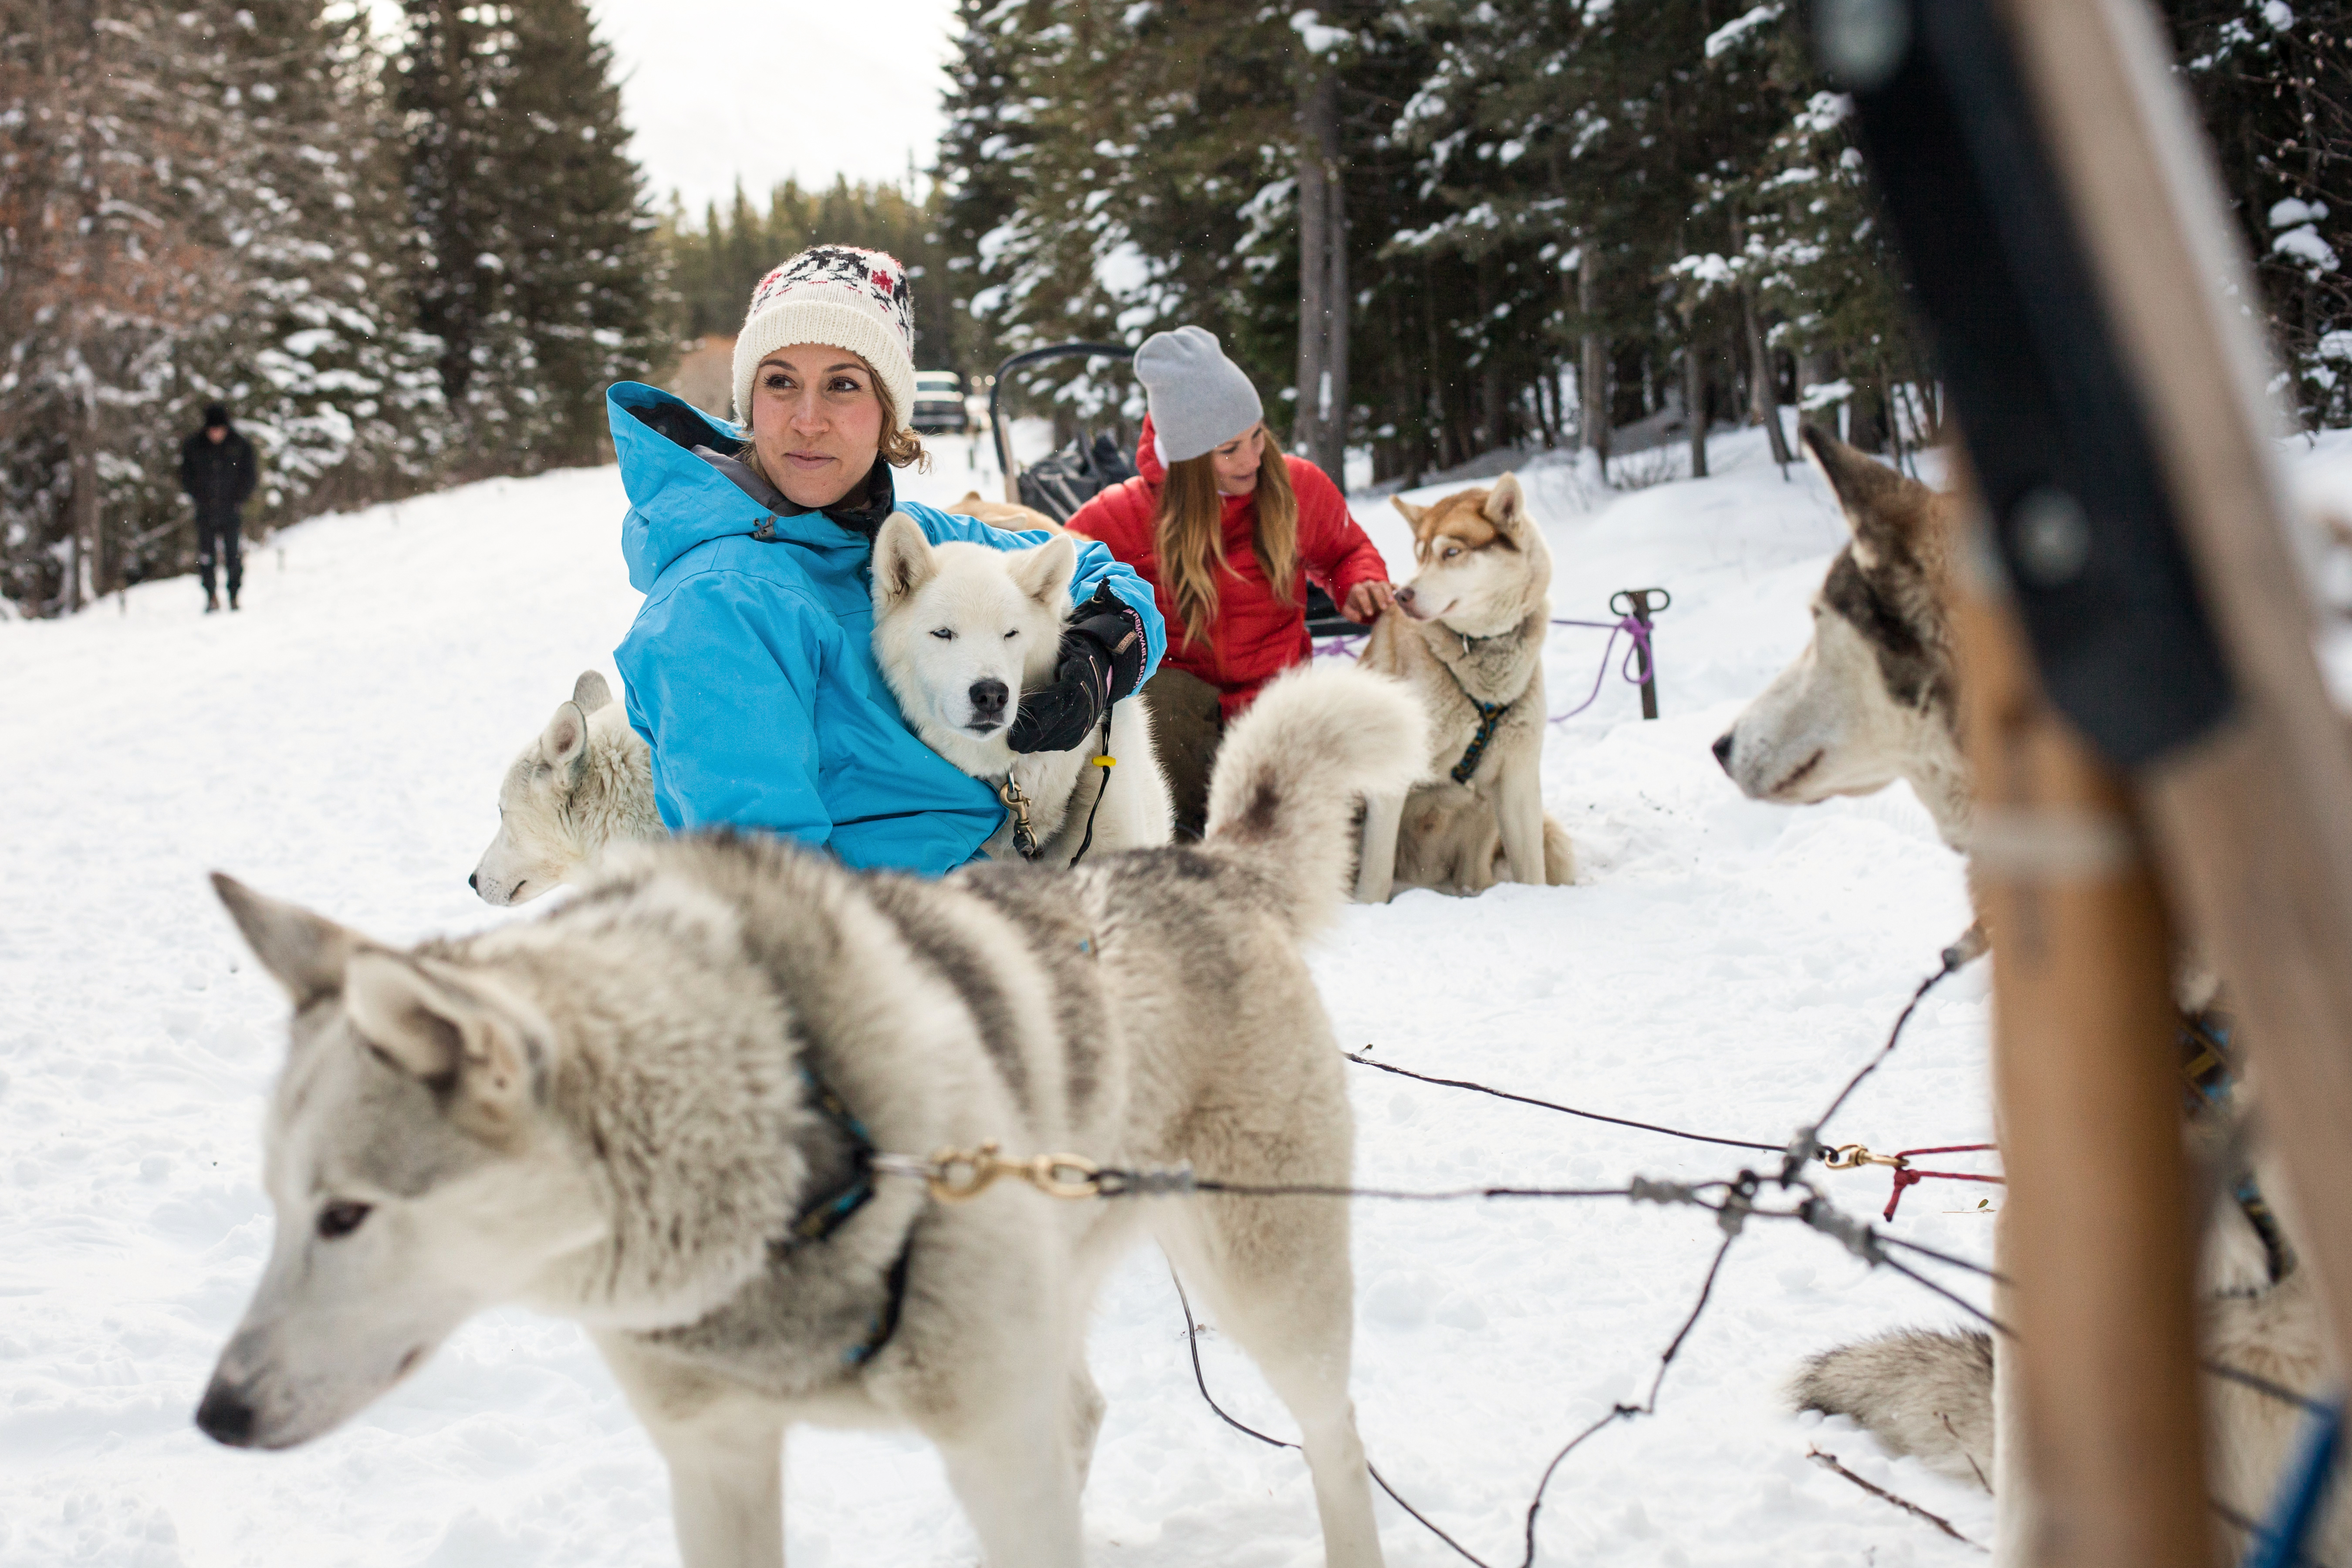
x=960 y=631
x=586 y=783
x=660 y=1111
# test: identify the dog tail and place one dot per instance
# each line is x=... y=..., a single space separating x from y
x=1289 y=776
x=1927 y=1394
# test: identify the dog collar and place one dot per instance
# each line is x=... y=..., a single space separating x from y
x=820 y=1217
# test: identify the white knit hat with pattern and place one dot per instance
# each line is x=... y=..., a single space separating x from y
x=842 y=297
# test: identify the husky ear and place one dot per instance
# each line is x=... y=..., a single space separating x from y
x=428 y=1022
x=304 y=953
x=564 y=743
x=1045 y=572
x=1412 y=514
x=903 y=561
x=591 y=693
x=1873 y=496
x=1506 y=506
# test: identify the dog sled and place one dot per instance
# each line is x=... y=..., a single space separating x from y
x=1093 y=461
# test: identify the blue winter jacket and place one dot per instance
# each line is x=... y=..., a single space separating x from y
x=750 y=668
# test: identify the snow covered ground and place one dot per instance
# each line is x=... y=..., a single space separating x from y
x=1720 y=965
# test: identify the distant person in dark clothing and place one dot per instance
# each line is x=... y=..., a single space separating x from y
x=217 y=470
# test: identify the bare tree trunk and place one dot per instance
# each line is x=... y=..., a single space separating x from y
x=1592 y=366
x=1763 y=399
x=1763 y=405
x=84 y=518
x=1338 y=305
x=1320 y=426
x=1314 y=218
x=1695 y=404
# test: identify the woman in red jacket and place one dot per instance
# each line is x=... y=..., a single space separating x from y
x=1229 y=541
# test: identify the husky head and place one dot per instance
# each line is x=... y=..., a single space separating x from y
x=1484 y=564
x=1872 y=699
x=960 y=629
x=438 y=1144
x=541 y=840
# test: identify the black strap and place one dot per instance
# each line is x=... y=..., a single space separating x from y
x=820 y=1217
x=894 y=1305
x=1100 y=789
x=1489 y=715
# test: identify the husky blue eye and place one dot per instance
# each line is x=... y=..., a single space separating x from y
x=341 y=1219
x=943 y=633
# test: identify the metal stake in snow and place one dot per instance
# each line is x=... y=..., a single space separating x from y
x=1637 y=602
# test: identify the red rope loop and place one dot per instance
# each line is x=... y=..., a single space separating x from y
x=1907 y=1176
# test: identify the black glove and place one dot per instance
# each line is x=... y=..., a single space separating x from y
x=1101 y=661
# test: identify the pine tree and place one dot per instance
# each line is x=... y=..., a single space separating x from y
x=2275 y=85
x=194 y=212
x=535 y=262
x=102 y=123
x=314 y=348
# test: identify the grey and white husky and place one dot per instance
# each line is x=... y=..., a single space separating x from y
x=586 y=783
x=1874 y=698
x=657 y=1112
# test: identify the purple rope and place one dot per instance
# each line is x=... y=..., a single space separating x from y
x=1637 y=655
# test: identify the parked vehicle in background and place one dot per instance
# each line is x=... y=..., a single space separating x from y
x=939 y=403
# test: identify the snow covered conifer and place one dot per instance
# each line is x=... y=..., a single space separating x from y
x=534 y=259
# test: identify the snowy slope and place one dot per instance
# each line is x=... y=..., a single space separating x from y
x=1720 y=967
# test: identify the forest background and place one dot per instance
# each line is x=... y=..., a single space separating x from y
x=409 y=246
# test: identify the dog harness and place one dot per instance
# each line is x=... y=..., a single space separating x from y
x=828 y=1213
x=1489 y=715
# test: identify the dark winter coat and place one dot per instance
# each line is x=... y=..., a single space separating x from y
x=217 y=475
x=1257 y=633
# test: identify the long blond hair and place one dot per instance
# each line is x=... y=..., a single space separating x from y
x=1189 y=535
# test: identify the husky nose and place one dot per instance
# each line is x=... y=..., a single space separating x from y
x=474 y=880
x=1404 y=594
x=224 y=1417
x=1723 y=750
x=987 y=699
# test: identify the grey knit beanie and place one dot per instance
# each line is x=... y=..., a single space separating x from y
x=1199 y=399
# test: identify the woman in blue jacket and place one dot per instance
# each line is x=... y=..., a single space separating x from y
x=750 y=667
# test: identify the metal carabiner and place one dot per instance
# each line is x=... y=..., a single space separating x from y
x=1853 y=1156
x=958 y=1177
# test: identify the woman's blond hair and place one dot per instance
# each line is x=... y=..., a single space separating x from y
x=1189 y=535
x=901 y=446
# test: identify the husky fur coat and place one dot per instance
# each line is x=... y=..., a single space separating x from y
x=750 y=668
x=1257 y=633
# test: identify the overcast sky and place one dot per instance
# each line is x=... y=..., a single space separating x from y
x=762 y=88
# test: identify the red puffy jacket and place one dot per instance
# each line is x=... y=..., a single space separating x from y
x=1255 y=635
